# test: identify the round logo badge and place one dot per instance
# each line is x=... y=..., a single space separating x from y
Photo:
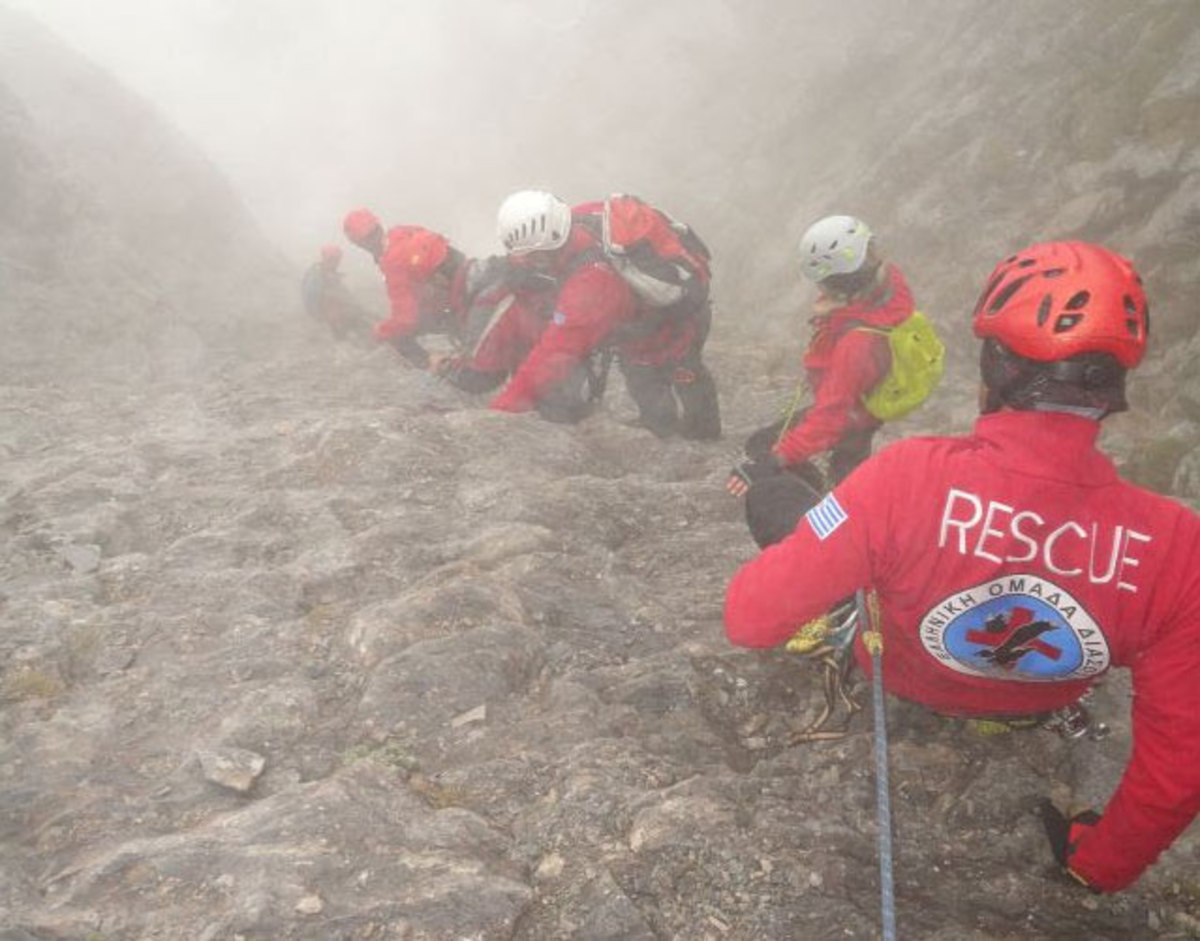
x=1019 y=627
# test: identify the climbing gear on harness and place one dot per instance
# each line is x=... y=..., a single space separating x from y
x=1075 y=721
x=918 y=360
x=826 y=640
x=868 y=614
x=1072 y=722
x=597 y=366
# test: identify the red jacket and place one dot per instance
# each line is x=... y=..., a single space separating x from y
x=411 y=257
x=515 y=319
x=592 y=302
x=1014 y=568
x=843 y=364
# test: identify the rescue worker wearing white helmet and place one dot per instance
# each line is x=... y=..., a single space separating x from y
x=597 y=315
x=860 y=297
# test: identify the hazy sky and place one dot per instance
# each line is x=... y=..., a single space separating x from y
x=427 y=112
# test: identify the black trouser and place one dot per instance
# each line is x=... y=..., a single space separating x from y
x=570 y=400
x=678 y=397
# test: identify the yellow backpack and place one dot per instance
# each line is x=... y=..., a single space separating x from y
x=918 y=356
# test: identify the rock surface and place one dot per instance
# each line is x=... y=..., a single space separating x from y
x=482 y=658
x=474 y=662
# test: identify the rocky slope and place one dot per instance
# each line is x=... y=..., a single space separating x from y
x=121 y=248
x=300 y=644
x=315 y=651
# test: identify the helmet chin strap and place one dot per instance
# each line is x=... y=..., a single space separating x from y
x=1095 y=414
x=1091 y=386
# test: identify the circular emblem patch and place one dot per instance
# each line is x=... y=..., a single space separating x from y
x=1019 y=627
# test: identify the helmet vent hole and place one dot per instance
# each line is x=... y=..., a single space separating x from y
x=1054 y=273
x=1010 y=259
x=1079 y=300
x=1006 y=294
x=1066 y=322
x=833 y=244
x=1132 y=326
x=987 y=292
x=1130 y=306
x=1043 y=313
x=1027 y=263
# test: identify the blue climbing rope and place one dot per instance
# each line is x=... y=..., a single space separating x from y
x=873 y=640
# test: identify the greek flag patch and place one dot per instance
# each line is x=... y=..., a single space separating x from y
x=826 y=516
x=559 y=318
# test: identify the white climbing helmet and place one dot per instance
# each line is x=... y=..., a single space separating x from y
x=533 y=221
x=834 y=245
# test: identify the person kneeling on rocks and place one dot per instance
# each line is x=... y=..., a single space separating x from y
x=1013 y=567
x=421 y=271
x=861 y=296
x=595 y=253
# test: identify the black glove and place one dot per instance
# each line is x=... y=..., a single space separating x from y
x=412 y=351
x=1064 y=833
x=742 y=477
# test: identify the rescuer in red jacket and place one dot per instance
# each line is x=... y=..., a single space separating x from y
x=595 y=310
x=843 y=362
x=422 y=272
x=1013 y=566
x=499 y=314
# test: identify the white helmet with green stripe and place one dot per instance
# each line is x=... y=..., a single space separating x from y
x=834 y=245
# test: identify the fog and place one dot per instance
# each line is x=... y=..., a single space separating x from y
x=301 y=643
x=432 y=112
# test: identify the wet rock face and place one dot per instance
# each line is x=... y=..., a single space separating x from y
x=317 y=650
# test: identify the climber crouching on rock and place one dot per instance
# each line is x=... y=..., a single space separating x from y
x=1013 y=566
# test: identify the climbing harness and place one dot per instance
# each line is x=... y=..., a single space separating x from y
x=826 y=640
x=868 y=615
x=1072 y=722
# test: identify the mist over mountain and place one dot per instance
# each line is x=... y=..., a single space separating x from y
x=301 y=643
x=116 y=234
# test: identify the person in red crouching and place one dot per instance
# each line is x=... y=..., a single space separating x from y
x=1013 y=566
x=597 y=314
x=421 y=271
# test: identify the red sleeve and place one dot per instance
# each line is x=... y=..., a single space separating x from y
x=402 y=298
x=826 y=559
x=592 y=301
x=1159 y=793
x=855 y=369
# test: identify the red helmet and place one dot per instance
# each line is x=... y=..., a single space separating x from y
x=1058 y=299
x=331 y=254
x=414 y=251
x=360 y=224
